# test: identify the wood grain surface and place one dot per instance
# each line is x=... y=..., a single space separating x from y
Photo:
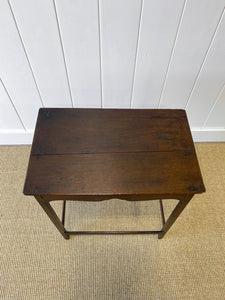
x=100 y=152
x=69 y=131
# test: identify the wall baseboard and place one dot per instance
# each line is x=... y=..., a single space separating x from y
x=208 y=134
x=21 y=137
x=16 y=137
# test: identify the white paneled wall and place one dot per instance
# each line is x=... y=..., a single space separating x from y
x=15 y=71
x=156 y=40
x=119 y=29
x=79 y=28
x=36 y=21
x=9 y=118
x=112 y=53
x=210 y=79
x=195 y=32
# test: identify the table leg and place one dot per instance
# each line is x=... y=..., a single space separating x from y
x=52 y=215
x=174 y=215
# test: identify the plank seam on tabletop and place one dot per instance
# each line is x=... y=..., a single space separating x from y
x=172 y=53
x=100 y=52
x=63 y=53
x=136 y=52
x=204 y=60
x=11 y=101
x=25 y=52
x=214 y=104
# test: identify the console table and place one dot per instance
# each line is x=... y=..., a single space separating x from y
x=100 y=154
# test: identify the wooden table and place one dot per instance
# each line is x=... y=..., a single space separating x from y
x=99 y=154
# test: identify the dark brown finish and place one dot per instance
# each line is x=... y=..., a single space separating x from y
x=63 y=212
x=98 y=154
x=162 y=212
x=83 y=131
x=52 y=215
x=175 y=214
x=114 y=174
x=113 y=232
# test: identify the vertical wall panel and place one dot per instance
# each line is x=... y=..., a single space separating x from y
x=38 y=27
x=78 y=20
x=217 y=116
x=210 y=80
x=15 y=71
x=194 y=36
x=8 y=116
x=160 y=20
x=111 y=53
x=119 y=32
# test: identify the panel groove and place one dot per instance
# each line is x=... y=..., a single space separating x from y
x=112 y=54
x=11 y=101
x=111 y=152
x=136 y=52
x=63 y=53
x=217 y=98
x=204 y=60
x=25 y=52
x=100 y=53
x=172 y=52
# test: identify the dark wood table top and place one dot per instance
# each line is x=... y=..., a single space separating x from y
x=117 y=153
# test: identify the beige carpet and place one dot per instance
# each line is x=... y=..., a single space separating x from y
x=37 y=263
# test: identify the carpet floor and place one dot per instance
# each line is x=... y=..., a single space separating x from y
x=37 y=263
